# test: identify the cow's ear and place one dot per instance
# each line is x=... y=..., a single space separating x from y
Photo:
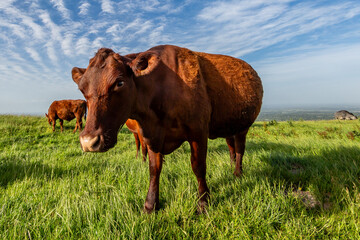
x=144 y=63
x=46 y=115
x=77 y=73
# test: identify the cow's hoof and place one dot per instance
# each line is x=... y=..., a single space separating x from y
x=202 y=206
x=148 y=211
x=238 y=173
x=149 y=208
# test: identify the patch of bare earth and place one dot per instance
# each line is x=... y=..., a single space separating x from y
x=310 y=200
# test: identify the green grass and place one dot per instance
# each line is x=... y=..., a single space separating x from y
x=301 y=181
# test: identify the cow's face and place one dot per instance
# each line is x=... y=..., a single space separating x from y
x=109 y=89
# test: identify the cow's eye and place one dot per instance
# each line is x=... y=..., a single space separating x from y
x=119 y=83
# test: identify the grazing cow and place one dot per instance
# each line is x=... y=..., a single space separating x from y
x=134 y=127
x=66 y=110
x=175 y=95
x=344 y=115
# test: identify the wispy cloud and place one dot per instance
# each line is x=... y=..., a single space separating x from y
x=107 y=6
x=247 y=26
x=34 y=54
x=67 y=44
x=82 y=46
x=16 y=29
x=6 y=3
x=51 y=52
x=15 y=16
x=84 y=8
x=55 y=30
x=60 y=6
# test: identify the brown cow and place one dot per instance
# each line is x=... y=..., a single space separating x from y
x=134 y=127
x=66 y=110
x=176 y=95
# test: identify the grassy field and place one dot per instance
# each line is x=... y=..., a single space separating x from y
x=301 y=181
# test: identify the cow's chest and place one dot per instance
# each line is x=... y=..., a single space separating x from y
x=162 y=138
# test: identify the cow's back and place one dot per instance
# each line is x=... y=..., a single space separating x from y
x=202 y=91
x=235 y=92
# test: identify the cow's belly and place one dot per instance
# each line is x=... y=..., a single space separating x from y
x=231 y=124
x=164 y=146
x=68 y=116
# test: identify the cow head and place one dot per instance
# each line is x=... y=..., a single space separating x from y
x=109 y=88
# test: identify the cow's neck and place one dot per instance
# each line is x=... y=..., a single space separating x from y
x=145 y=114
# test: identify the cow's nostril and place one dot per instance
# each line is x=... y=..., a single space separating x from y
x=95 y=142
x=91 y=144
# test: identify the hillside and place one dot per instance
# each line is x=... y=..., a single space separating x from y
x=303 y=113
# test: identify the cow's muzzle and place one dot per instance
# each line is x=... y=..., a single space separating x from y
x=91 y=143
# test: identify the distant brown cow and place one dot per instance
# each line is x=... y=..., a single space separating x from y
x=66 y=110
x=175 y=95
x=134 y=127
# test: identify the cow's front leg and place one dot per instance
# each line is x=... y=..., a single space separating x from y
x=155 y=166
x=61 y=124
x=198 y=164
x=53 y=123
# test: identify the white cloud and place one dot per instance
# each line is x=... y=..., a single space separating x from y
x=113 y=30
x=14 y=14
x=98 y=43
x=51 y=52
x=6 y=3
x=107 y=6
x=15 y=28
x=54 y=29
x=84 y=8
x=82 y=46
x=33 y=54
x=60 y=6
x=67 y=44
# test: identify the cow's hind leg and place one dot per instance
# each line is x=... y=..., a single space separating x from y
x=155 y=166
x=77 y=124
x=240 y=140
x=80 y=124
x=231 y=144
x=198 y=164
x=137 y=142
x=144 y=149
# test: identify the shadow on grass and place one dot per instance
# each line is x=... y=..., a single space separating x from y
x=328 y=172
x=19 y=168
x=13 y=170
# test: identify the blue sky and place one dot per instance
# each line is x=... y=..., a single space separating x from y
x=306 y=52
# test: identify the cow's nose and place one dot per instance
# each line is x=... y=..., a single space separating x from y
x=91 y=144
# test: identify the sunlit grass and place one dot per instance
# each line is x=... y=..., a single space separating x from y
x=301 y=181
